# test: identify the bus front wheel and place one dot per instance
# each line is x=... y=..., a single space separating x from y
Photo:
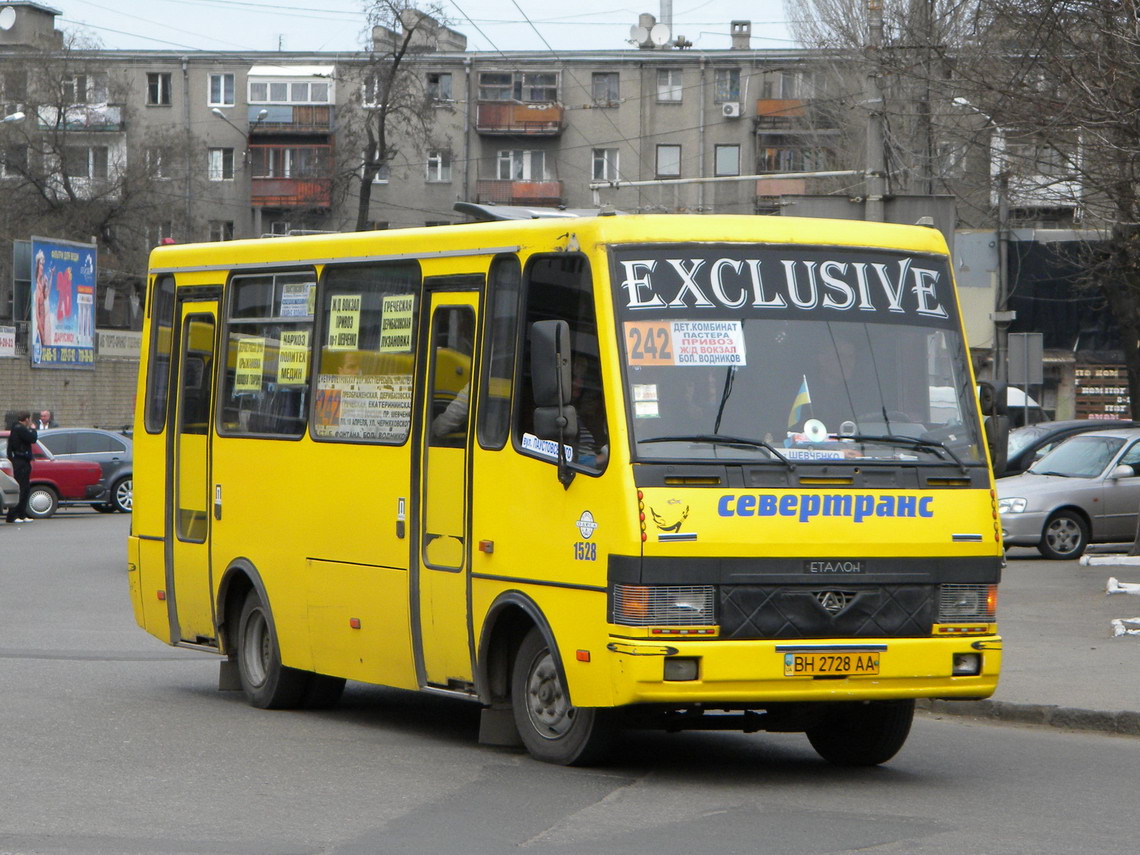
x=551 y=728
x=862 y=734
x=266 y=682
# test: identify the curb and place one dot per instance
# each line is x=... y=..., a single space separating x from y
x=1047 y=715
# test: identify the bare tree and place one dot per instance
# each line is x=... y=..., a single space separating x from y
x=395 y=103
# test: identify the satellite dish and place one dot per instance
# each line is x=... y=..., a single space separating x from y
x=639 y=34
x=7 y=18
x=659 y=35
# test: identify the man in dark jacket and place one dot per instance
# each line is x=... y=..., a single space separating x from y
x=20 y=441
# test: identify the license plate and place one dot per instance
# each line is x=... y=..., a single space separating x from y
x=854 y=663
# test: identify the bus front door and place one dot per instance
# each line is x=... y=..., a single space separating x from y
x=444 y=542
x=188 y=500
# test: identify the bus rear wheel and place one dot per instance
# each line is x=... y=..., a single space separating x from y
x=552 y=729
x=267 y=683
x=862 y=734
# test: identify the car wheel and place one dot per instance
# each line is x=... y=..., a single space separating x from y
x=551 y=728
x=266 y=682
x=864 y=734
x=42 y=501
x=1065 y=536
x=122 y=495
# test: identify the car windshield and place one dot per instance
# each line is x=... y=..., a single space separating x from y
x=1021 y=438
x=756 y=353
x=1079 y=457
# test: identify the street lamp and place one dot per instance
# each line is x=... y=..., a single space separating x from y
x=1001 y=316
x=15 y=117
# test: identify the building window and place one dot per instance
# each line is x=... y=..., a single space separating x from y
x=221 y=230
x=161 y=232
x=438 y=166
x=376 y=225
x=221 y=164
x=727 y=160
x=604 y=88
x=157 y=163
x=84 y=89
x=85 y=161
x=669 y=84
x=221 y=90
x=289 y=92
x=605 y=164
x=528 y=86
x=726 y=85
x=158 y=88
x=439 y=86
x=383 y=173
x=518 y=165
x=13 y=161
x=15 y=86
x=668 y=161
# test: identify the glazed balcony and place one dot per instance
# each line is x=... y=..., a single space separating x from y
x=290 y=119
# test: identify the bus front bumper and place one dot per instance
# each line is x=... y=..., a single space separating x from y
x=754 y=672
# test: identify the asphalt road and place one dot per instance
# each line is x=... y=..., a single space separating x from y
x=114 y=743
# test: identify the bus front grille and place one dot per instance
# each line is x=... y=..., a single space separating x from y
x=827 y=611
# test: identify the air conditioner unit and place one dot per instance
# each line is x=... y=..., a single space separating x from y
x=731 y=109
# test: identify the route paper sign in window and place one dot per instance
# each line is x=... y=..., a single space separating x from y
x=712 y=342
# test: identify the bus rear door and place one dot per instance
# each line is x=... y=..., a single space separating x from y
x=444 y=543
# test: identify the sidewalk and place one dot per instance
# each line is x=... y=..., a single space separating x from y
x=1062 y=666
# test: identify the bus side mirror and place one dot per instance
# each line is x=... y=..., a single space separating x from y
x=550 y=363
x=994 y=400
x=997 y=439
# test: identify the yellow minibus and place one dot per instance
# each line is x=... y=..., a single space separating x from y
x=591 y=473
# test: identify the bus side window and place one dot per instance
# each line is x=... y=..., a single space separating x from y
x=158 y=371
x=560 y=287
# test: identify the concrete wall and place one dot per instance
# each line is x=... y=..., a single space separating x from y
x=103 y=397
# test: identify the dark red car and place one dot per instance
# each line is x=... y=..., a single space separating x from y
x=56 y=481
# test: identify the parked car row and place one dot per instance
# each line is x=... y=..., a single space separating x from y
x=72 y=466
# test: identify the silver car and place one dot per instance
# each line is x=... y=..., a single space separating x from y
x=9 y=491
x=1086 y=490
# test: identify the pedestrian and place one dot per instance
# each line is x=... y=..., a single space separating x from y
x=45 y=421
x=20 y=441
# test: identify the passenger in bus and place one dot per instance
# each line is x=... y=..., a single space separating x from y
x=592 y=447
x=454 y=416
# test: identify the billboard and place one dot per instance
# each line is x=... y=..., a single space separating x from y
x=62 y=304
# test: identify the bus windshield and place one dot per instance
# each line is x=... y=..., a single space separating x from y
x=758 y=353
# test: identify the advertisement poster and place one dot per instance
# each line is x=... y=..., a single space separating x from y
x=63 y=304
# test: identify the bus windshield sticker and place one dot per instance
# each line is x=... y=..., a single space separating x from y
x=297 y=299
x=880 y=286
x=645 y=404
x=250 y=364
x=396 y=329
x=701 y=343
x=344 y=322
x=376 y=406
x=293 y=358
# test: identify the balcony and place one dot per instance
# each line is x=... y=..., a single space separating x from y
x=537 y=193
x=81 y=117
x=508 y=118
x=775 y=113
x=291 y=192
x=290 y=118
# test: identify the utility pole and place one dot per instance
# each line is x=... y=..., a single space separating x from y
x=873 y=203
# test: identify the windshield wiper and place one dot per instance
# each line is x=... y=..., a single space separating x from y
x=910 y=442
x=722 y=439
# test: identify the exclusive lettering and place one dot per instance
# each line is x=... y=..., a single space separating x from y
x=716 y=274
x=688 y=284
x=758 y=300
x=800 y=301
x=893 y=292
x=633 y=285
x=924 y=282
x=830 y=271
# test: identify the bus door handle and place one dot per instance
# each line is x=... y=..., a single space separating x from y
x=217 y=501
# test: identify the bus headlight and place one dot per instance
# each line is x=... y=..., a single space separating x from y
x=664 y=605
x=1012 y=506
x=967 y=604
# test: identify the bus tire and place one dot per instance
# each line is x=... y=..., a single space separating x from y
x=266 y=682
x=551 y=728
x=862 y=734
